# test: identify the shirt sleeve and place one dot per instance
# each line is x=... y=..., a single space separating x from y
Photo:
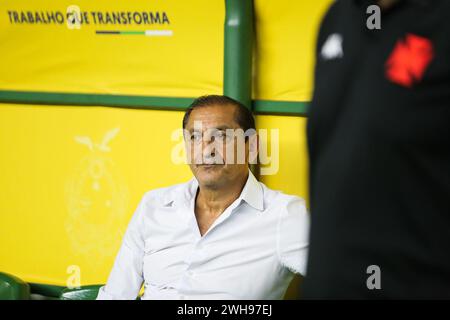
x=126 y=278
x=293 y=236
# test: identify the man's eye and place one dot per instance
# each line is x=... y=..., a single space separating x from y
x=220 y=135
x=196 y=137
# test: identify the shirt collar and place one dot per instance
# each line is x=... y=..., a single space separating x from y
x=252 y=193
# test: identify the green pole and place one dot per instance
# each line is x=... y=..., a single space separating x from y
x=238 y=49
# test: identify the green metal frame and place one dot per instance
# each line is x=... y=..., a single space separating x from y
x=78 y=99
x=293 y=108
x=141 y=102
x=237 y=68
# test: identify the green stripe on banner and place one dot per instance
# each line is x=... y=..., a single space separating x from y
x=132 y=32
x=296 y=108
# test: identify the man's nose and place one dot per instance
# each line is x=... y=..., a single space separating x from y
x=208 y=149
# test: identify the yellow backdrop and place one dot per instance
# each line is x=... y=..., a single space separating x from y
x=72 y=176
x=51 y=57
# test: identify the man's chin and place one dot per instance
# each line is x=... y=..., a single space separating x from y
x=209 y=174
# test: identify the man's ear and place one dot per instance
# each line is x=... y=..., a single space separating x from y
x=253 y=148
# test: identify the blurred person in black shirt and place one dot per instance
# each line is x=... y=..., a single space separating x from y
x=379 y=148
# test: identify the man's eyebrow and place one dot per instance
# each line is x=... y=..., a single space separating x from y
x=221 y=127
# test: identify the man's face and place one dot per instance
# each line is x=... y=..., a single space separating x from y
x=216 y=145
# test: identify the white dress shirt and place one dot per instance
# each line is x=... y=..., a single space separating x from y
x=250 y=252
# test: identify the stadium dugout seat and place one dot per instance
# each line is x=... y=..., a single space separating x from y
x=13 y=288
x=83 y=293
x=90 y=292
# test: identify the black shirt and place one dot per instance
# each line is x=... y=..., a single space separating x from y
x=379 y=148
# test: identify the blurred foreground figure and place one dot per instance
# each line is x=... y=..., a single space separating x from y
x=379 y=144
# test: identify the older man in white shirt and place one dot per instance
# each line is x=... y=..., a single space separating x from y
x=223 y=234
